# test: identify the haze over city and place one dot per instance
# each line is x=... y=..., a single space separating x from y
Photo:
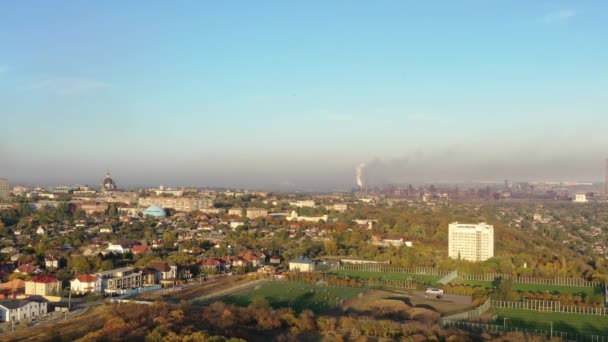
x=287 y=95
x=323 y=170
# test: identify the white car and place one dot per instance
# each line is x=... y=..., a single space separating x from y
x=431 y=291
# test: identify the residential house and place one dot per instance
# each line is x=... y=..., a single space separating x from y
x=13 y=287
x=40 y=230
x=43 y=285
x=141 y=250
x=253 y=259
x=213 y=264
x=159 y=273
x=28 y=269
x=122 y=247
x=9 y=250
x=85 y=283
x=51 y=262
x=19 y=309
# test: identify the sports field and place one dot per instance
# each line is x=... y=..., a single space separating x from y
x=420 y=278
x=571 y=323
x=296 y=296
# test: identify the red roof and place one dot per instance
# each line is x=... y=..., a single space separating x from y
x=86 y=278
x=47 y=278
x=250 y=256
x=27 y=268
x=212 y=262
x=140 y=249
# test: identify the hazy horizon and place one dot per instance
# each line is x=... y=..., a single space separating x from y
x=279 y=94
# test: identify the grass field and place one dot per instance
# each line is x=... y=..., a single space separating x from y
x=571 y=323
x=421 y=278
x=296 y=296
x=540 y=288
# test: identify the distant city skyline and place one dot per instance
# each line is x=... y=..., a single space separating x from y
x=276 y=94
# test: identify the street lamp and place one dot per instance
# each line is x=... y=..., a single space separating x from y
x=69 y=303
x=70 y=299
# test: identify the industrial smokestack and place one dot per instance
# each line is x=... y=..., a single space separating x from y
x=359 y=174
x=606 y=182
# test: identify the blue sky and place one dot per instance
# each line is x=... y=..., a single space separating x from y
x=267 y=93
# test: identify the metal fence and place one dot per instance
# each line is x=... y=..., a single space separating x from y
x=390 y=269
x=549 y=306
x=556 y=281
x=505 y=328
x=467 y=315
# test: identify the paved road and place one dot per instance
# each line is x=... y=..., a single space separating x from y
x=458 y=299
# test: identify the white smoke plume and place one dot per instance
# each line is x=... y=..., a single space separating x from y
x=359 y=174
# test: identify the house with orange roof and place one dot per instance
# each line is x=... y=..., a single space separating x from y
x=141 y=249
x=86 y=283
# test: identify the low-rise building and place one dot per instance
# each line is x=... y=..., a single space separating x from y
x=86 y=283
x=43 y=285
x=159 y=273
x=51 y=262
x=235 y=211
x=295 y=217
x=302 y=264
x=122 y=247
x=94 y=207
x=340 y=207
x=28 y=269
x=254 y=259
x=303 y=204
x=215 y=211
x=19 y=309
x=253 y=213
x=580 y=198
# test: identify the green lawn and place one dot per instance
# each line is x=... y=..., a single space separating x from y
x=296 y=296
x=420 y=278
x=540 y=288
x=571 y=323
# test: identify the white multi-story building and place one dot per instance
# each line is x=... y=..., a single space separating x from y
x=119 y=279
x=473 y=242
x=4 y=191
